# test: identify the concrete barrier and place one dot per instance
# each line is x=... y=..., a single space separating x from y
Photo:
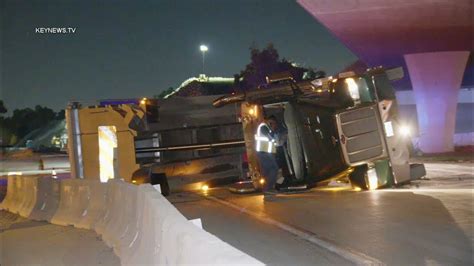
x=9 y=199
x=74 y=196
x=105 y=217
x=144 y=250
x=47 y=199
x=167 y=239
x=169 y=234
x=115 y=212
x=96 y=207
x=135 y=212
x=29 y=194
x=67 y=193
x=16 y=199
x=140 y=224
x=130 y=242
x=125 y=216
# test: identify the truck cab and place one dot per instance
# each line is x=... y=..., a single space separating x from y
x=337 y=127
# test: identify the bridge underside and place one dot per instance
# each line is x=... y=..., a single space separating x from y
x=432 y=39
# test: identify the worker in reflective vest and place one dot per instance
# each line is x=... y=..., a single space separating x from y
x=266 y=149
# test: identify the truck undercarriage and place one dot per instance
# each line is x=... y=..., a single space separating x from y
x=337 y=127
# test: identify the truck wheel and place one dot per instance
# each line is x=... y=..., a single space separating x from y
x=358 y=177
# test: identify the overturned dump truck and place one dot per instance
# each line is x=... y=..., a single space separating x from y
x=180 y=143
x=343 y=127
x=337 y=127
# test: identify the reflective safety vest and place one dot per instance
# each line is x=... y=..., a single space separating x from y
x=264 y=140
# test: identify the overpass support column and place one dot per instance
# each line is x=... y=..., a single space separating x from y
x=436 y=79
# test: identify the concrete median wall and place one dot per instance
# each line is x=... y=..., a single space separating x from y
x=139 y=224
x=9 y=199
x=96 y=206
x=74 y=197
x=29 y=189
x=47 y=199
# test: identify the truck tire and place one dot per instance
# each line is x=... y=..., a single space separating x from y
x=358 y=177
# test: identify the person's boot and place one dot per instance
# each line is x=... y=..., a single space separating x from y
x=270 y=195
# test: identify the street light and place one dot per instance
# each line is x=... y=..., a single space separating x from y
x=203 y=49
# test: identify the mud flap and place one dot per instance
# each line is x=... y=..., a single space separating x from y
x=358 y=177
x=417 y=171
x=160 y=179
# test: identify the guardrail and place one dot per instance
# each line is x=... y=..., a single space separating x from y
x=139 y=224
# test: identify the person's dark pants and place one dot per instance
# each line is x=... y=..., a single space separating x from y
x=269 y=168
x=281 y=161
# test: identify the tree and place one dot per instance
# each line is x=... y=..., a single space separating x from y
x=24 y=121
x=3 y=109
x=313 y=74
x=61 y=115
x=266 y=62
x=165 y=92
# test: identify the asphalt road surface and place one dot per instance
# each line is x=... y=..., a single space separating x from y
x=427 y=222
x=25 y=242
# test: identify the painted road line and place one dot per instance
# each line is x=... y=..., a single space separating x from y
x=433 y=190
x=344 y=252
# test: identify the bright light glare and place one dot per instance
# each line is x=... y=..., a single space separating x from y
x=262 y=181
x=205 y=188
x=203 y=48
x=353 y=89
x=107 y=142
x=388 y=128
x=373 y=180
x=14 y=173
x=335 y=189
x=405 y=131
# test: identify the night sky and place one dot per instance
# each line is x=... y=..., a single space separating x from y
x=138 y=48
